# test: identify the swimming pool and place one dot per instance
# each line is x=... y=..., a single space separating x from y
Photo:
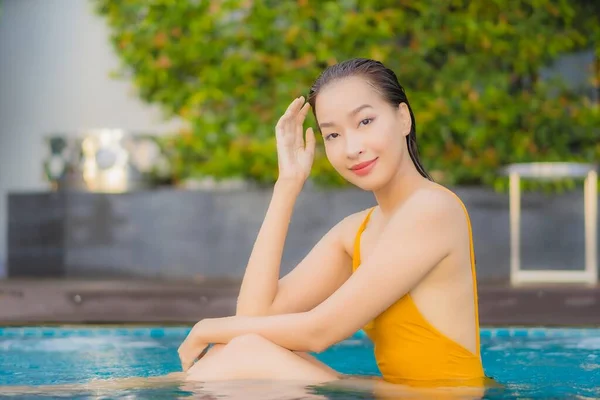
x=532 y=363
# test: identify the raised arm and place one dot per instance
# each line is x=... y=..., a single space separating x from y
x=260 y=284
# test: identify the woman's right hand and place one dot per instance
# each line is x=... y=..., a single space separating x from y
x=295 y=158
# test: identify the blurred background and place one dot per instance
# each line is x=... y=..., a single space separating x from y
x=136 y=137
x=55 y=64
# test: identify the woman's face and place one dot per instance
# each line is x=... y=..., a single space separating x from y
x=364 y=136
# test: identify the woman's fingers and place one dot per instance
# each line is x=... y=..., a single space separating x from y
x=293 y=114
x=299 y=124
x=295 y=152
x=295 y=104
x=186 y=351
x=301 y=116
x=284 y=124
x=291 y=125
x=293 y=108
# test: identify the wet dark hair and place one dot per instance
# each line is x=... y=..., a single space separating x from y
x=384 y=80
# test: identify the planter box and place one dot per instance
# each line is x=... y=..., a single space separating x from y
x=179 y=234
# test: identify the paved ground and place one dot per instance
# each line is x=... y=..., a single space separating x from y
x=142 y=302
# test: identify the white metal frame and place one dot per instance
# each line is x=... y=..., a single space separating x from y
x=540 y=171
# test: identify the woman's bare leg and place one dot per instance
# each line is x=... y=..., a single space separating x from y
x=215 y=349
x=254 y=357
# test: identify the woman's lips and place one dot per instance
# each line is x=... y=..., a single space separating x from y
x=363 y=168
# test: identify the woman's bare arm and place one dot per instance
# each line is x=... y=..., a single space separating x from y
x=326 y=267
x=295 y=156
x=259 y=286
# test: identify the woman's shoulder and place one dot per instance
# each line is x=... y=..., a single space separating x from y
x=431 y=206
x=437 y=197
x=350 y=225
x=434 y=207
x=356 y=219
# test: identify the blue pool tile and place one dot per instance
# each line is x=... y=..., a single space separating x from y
x=121 y=332
x=9 y=333
x=502 y=332
x=520 y=332
x=48 y=333
x=31 y=332
x=537 y=333
x=485 y=333
x=157 y=333
x=556 y=333
x=183 y=331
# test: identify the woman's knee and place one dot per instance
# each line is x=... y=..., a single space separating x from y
x=247 y=344
x=213 y=351
x=253 y=342
x=249 y=340
x=229 y=360
x=239 y=359
x=237 y=348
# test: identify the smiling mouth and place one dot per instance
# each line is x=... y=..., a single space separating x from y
x=363 y=165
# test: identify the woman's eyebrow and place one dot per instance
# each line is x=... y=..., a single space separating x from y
x=351 y=113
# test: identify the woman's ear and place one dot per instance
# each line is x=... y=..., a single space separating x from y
x=403 y=115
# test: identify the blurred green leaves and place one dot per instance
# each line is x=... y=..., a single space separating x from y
x=471 y=70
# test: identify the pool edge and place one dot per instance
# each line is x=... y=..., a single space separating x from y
x=166 y=302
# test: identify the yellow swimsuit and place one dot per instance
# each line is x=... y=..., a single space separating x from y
x=408 y=348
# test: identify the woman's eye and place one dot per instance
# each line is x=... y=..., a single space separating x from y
x=331 y=136
x=367 y=121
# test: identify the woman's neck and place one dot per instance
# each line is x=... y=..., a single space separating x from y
x=404 y=183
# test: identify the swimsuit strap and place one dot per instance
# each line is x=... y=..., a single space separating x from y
x=356 y=253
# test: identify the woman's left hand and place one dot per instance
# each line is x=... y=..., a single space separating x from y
x=193 y=348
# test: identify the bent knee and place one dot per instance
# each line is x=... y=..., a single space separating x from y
x=214 y=349
x=248 y=341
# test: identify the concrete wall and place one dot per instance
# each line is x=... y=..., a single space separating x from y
x=191 y=234
x=55 y=60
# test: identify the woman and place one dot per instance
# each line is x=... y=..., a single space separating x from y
x=403 y=270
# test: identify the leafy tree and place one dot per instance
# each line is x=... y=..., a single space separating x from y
x=472 y=71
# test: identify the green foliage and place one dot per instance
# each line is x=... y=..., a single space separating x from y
x=471 y=70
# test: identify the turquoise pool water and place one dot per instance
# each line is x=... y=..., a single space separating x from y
x=529 y=363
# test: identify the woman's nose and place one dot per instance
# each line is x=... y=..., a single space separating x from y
x=354 y=146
